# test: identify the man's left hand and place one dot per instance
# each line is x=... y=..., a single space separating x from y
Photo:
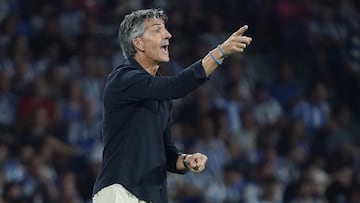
x=196 y=162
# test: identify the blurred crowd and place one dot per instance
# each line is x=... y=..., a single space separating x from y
x=279 y=123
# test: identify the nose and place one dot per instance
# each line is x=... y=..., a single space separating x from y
x=167 y=34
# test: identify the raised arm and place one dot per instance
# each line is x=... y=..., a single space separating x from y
x=134 y=84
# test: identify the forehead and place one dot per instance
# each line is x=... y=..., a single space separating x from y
x=153 y=22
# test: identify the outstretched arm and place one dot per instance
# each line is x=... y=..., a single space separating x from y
x=237 y=42
x=134 y=84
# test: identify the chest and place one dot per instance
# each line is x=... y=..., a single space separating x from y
x=158 y=111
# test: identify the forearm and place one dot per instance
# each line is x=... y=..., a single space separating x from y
x=175 y=164
x=173 y=156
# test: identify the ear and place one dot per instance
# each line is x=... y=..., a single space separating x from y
x=138 y=44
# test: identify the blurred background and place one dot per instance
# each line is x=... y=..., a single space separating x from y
x=279 y=123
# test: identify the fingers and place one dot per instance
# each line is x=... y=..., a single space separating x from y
x=240 y=47
x=197 y=162
x=192 y=162
x=241 y=30
x=240 y=43
x=242 y=39
x=237 y=42
x=246 y=40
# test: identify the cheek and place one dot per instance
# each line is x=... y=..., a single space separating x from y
x=151 y=47
x=149 y=41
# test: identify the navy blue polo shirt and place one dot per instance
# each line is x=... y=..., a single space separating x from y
x=138 y=148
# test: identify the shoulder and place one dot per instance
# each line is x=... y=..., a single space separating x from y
x=124 y=69
x=124 y=76
x=125 y=73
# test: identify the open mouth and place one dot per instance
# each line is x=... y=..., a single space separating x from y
x=165 y=48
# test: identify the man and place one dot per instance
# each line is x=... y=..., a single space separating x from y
x=138 y=148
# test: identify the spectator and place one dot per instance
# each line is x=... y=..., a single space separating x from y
x=8 y=104
x=285 y=89
x=267 y=110
x=314 y=110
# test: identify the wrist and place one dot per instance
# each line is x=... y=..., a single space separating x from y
x=184 y=156
x=223 y=55
x=217 y=56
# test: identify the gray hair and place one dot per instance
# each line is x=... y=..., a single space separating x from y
x=133 y=26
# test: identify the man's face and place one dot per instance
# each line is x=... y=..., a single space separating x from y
x=155 y=41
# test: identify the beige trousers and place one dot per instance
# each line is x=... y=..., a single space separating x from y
x=115 y=193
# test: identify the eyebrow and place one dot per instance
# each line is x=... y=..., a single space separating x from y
x=156 y=24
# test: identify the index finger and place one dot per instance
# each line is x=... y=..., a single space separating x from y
x=241 y=30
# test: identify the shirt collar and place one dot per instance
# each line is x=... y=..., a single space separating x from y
x=131 y=61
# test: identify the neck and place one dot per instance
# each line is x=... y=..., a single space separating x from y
x=149 y=65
